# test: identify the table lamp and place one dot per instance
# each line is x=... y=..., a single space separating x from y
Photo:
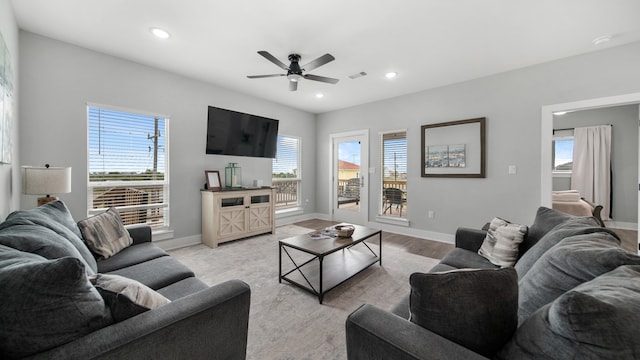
x=46 y=180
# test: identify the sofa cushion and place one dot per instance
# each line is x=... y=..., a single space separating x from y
x=545 y=220
x=126 y=297
x=182 y=288
x=462 y=259
x=596 y=320
x=105 y=233
x=45 y=303
x=134 y=254
x=502 y=242
x=572 y=261
x=56 y=217
x=156 y=273
x=570 y=227
x=41 y=241
x=483 y=322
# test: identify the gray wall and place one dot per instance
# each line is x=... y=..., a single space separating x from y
x=512 y=103
x=10 y=173
x=58 y=79
x=624 y=154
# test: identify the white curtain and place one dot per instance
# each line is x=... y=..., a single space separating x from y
x=591 y=174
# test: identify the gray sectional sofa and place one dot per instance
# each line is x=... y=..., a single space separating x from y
x=49 y=308
x=573 y=293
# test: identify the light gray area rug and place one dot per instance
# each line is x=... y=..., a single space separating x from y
x=286 y=322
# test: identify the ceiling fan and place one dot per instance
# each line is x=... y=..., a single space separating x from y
x=295 y=71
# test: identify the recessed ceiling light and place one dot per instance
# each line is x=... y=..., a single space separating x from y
x=319 y=95
x=602 y=39
x=391 y=75
x=159 y=33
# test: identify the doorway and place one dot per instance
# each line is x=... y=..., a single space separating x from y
x=350 y=177
x=547 y=131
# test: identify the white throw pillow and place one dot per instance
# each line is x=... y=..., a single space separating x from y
x=501 y=245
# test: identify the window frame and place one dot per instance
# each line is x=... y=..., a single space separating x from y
x=160 y=232
x=297 y=179
x=381 y=216
x=560 y=135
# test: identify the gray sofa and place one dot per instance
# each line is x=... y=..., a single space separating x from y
x=572 y=294
x=50 y=310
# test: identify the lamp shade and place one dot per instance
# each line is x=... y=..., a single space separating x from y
x=46 y=180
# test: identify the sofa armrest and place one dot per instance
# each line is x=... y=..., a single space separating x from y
x=140 y=233
x=373 y=333
x=209 y=324
x=470 y=239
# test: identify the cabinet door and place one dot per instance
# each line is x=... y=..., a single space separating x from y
x=260 y=212
x=232 y=215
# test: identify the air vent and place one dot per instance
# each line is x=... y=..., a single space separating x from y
x=355 y=76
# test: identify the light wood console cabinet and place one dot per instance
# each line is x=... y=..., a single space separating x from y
x=234 y=214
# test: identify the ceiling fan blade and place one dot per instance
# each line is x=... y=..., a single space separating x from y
x=293 y=85
x=321 y=78
x=273 y=59
x=318 y=62
x=264 y=76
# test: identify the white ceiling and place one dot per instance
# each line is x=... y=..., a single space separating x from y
x=430 y=43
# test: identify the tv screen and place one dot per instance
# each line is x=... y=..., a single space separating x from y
x=235 y=133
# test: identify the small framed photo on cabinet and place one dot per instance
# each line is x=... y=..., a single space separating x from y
x=213 y=180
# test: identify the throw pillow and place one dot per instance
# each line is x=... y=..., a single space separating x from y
x=570 y=227
x=596 y=320
x=45 y=303
x=105 y=233
x=545 y=220
x=502 y=242
x=126 y=297
x=572 y=261
x=462 y=306
x=56 y=217
x=38 y=240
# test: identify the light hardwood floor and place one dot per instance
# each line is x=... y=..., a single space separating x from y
x=437 y=249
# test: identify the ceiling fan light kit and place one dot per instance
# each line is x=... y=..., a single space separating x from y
x=295 y=72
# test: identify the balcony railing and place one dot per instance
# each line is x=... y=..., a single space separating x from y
x=286 y=193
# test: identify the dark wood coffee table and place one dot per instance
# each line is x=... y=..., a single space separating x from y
x=337 y=261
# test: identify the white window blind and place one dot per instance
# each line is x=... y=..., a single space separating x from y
x=395 y=156
x=394 y=164
x=286 y=172
x=128 y=167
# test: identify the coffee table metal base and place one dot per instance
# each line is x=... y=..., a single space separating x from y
x=332 y=269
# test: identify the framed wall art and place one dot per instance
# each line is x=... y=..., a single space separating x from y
x=213 y=180
x=454 y=149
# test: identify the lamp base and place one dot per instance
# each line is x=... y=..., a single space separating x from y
x=46 y=200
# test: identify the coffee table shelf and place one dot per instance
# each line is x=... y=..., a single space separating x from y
x=332 y=262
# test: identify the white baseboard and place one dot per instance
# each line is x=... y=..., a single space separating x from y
x=172 y=244
x=620 y=225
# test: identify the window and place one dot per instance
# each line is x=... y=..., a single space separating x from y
x=286 y=172
x=128 y=165
x=562 y=151
x=394 y=175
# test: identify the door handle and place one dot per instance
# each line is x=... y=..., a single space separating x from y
x=362 y=181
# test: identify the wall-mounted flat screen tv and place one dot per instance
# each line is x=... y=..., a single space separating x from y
x=235 y=133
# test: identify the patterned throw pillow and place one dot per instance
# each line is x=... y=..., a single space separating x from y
x=502 y=243
x=126 y=297
x=105 y=233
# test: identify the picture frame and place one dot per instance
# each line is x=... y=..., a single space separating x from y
x=213 y=180
x=454 y=149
